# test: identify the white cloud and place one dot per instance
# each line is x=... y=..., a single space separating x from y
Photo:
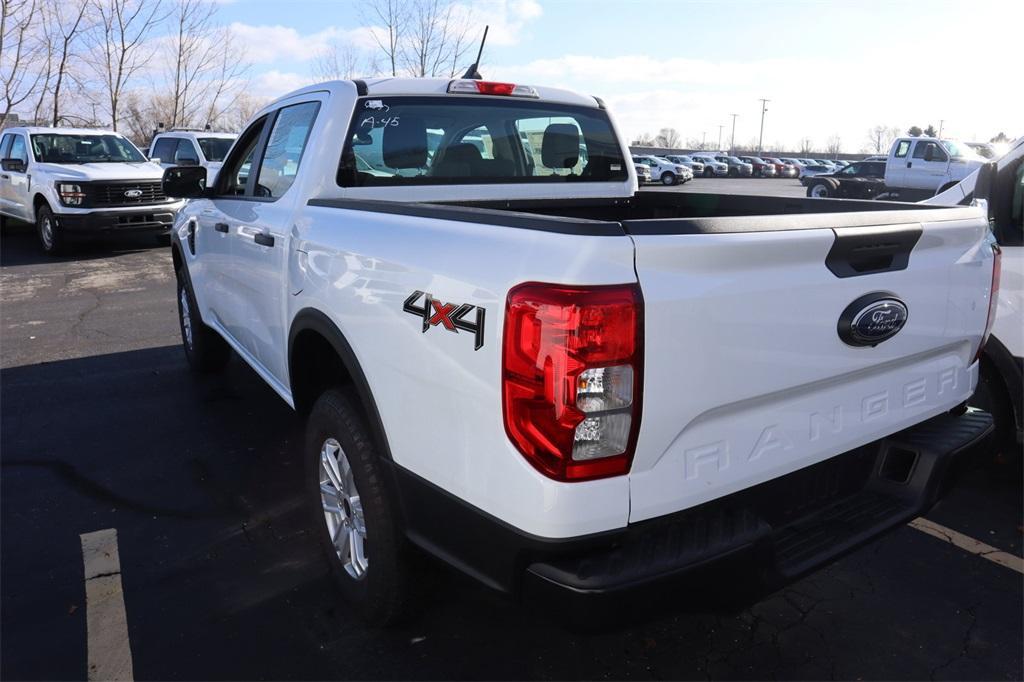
x=272 y=84
x=507 y=19
x=273 y=44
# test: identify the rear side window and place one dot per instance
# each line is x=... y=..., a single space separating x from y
x=165 y=149
x=902 y=148
x=396 y=141
x=284 y=150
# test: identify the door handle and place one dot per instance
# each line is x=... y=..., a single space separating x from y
x=263 y=239
x=221 y=227
x=909 y=164
x=5 y=177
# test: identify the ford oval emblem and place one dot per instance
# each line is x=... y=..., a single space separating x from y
x=133 y=193
x=872 y=319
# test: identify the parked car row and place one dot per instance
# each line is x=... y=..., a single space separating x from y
x=721 y=164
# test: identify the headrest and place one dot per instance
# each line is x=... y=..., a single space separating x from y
x=560 y=147
x=405 y=145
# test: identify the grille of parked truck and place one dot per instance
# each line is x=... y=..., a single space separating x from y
x=512 y=359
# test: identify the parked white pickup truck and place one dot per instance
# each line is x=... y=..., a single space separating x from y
x=556 y=383
x=920 y=167
x=80 y=183
x=187 y=147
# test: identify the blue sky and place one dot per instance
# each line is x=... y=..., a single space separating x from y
x=830 y=68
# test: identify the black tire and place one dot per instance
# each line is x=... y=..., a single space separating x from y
x=708 y=173
x=163 y=239
x=820 y=190
x=205 y=350
x=51 y=238
x=733 y=173
x=668 y=179
x=380 y=594
x=992 y=396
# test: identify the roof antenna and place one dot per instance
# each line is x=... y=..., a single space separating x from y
x=473 y=71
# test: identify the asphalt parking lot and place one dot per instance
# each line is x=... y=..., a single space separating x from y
x=104 y=427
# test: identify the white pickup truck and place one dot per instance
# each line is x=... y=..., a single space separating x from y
x=77 y=183
x=520 y=364
x=921 y=167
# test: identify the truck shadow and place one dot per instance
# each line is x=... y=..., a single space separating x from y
x=21 y=246
x=202 y=478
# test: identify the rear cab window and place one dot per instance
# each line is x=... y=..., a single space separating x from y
x=902 y=148
x=402 y=140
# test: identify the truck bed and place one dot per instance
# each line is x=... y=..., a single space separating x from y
x=660 y=212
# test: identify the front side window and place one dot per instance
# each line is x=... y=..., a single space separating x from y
x=5 y=141
x=929 y=151
x=165 y=149
x=84 y=148
x=395 y=141
x=215 y=148
x=18 y=149
x=234 y=177
x=186 y=152
x=285 y=146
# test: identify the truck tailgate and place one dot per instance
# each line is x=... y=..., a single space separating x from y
x=746 y=377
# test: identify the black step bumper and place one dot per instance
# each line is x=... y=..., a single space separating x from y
x=154 y=219
x=772 y=533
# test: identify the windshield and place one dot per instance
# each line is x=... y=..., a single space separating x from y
x=475 y=140
x=734 y=159
x=84 y=148
x=215 y=148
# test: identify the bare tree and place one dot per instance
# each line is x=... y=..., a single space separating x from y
x=18 y=49
x=834 y=146
x=668 y=138
x=120 y=49
x=880 y=137
x=806 y=145
x=339 y=61
x=227 y=78
x=643 y=140
x=694 y=143
x=207 y=69
x=388 y=22
x=68 y=23
x=435 y=38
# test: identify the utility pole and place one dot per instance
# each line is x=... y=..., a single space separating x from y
x=760 y=139
x=720 y=137
x=703 y=139
x=732 y=144
x=941 y=121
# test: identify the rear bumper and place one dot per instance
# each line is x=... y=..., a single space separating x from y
x=157 y=219
x=772 y=533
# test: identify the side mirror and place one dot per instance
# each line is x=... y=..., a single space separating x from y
x=13 y=165
x=155 y=159
x=185 y=182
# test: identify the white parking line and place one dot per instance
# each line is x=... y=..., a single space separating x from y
x=969 y=544
x=110 y=653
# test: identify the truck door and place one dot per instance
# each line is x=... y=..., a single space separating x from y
x=218 y=221
x=260 y=245
x=16 y=183
x=927 y=166
x=896 y=165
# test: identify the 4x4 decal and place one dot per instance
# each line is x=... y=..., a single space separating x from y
x=449 y=315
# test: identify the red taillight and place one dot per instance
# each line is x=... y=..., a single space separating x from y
x=572 y=371
x=491 y=88
x=993 y=299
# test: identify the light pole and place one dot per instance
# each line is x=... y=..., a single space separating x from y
x=760 y=138
x=720 y=137
x=703 y=139
x=732 y=144
x=941 y=122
